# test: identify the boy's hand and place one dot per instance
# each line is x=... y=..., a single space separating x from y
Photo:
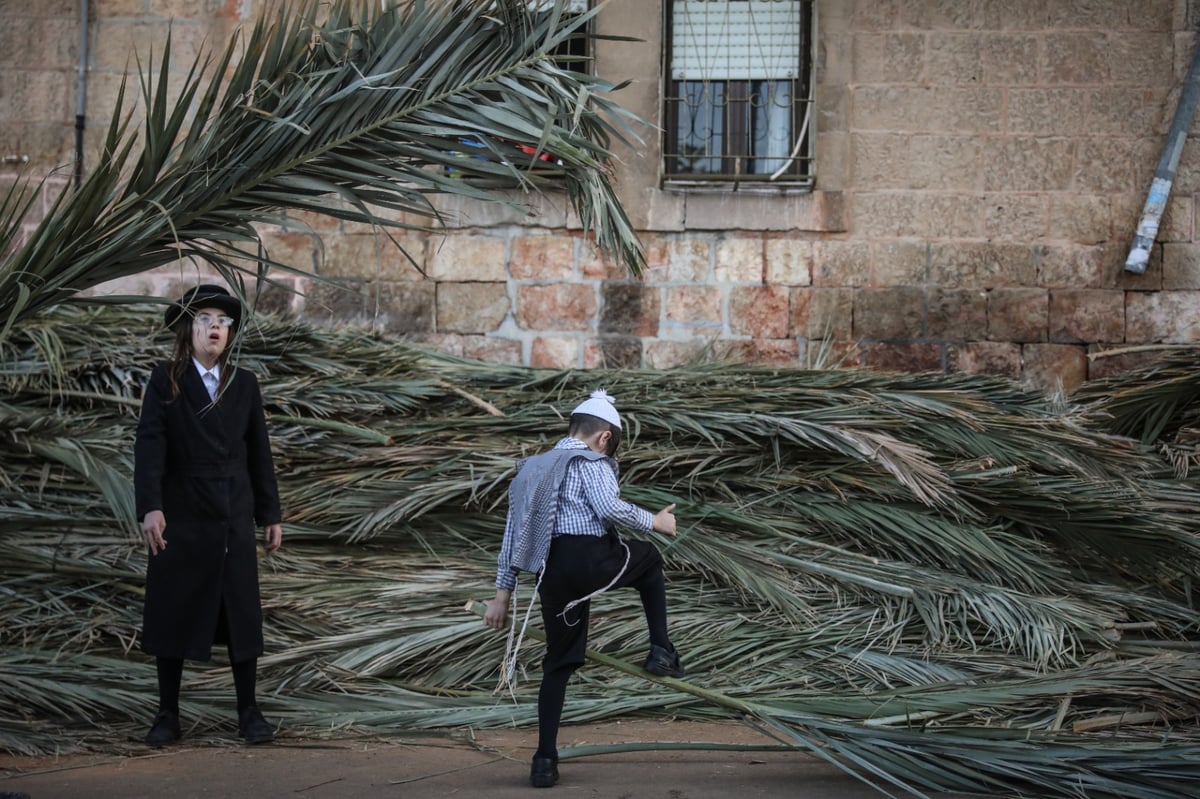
x=497 y=610
x=153 y=527
x=664 y=520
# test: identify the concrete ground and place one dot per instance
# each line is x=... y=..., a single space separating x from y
x=492 y=764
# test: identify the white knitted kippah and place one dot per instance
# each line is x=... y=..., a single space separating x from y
x=602 y=405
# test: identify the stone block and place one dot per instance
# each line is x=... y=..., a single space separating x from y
x=694 y=304
x=278 y=297
x=832 y=153
x=816 y=211
x=323 y=224
x=956 y=314
x=613 y=352
x=1100 y=15
x=763 y=352
x=630 y=308
x=880 y=159
x=1074 y=57
x=471 y=307
x=1123 y=110
x=555 y=352
x=954 y=58
x=1016 y=217
x=459 y=212
x=897 y=57
x=46 y=145
x=300 y=251
x=466 y=257
x=981 y=265
x=1180 y=266
x=36 y=96
x=1048 y=112
x=875 y=16
x=481 y=348
x=405 y=307
x=894 y=313
x=1168 y=317
x=335 y=300
x=542 y=257
x=1113 y=256
x=823 y=313
x=1018 y=314
x=900 y=263
x=1071 y=266
x=1026 y=163
x=199 y=8
x=1087 y=315
x=1177 y=220
x=561 y=306
x=985 y=358
x=1008 y=59
x=664 y=354
x=739 y=260
x=908 y=357
x=1105 y=360
x=356 y=255
x=117 y=41
x=943 y=109
x=689 y=261
x=594 y=264
x=1080 y=218
x=949 y=163
x=841 y=263
x=491 y=349
x=1105 y=165
x=38 y=42
x=1142 y=59
x=1052 y=368
x=759 y=311
x=903 y=214
x=830 y=354
x=789 y=262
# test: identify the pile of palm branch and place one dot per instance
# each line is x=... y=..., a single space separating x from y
x=937 y=582
x=941 y=582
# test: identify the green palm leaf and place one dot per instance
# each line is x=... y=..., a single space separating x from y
x=333 y=109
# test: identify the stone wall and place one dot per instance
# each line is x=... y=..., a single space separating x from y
x=981 y=169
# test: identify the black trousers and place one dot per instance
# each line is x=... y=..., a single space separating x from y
x=577 y=566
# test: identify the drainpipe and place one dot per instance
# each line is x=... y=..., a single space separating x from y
x=81 y=91
x=1164 y=176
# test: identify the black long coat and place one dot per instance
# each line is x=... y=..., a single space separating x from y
x=208 y=469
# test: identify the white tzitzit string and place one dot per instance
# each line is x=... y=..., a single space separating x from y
x=599 y=591
x=508 y=668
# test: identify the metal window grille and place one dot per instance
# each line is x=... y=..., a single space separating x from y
x=574 y=54
x=738 y=98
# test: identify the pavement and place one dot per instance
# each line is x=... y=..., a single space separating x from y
x=481 y=763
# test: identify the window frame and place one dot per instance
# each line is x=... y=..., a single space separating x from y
x=801 y=173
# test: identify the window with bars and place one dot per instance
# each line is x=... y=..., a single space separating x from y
x=738 y=97
x=575 y=52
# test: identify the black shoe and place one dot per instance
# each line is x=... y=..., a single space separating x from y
x=544 y=772
x=253 y=727
x=664 y=663
x=164 y=730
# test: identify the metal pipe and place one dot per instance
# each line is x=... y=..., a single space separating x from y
x=1164 y=176
x=81 y=91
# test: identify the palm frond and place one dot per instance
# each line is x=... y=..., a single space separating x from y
x=336 y=110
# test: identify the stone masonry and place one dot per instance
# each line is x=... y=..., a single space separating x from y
x=981 y=168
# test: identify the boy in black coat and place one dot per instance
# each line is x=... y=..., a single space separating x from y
x=203 y=479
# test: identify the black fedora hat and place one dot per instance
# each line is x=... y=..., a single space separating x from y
x=204 y=296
